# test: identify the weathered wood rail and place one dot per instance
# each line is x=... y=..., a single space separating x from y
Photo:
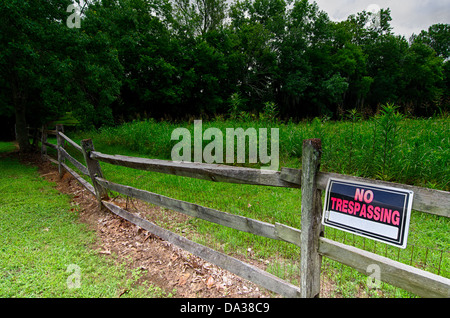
x=425 y=200
x=313 y=245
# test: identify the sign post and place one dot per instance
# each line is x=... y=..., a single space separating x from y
x=376 y=212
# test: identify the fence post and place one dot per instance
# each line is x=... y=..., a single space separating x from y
x=94 y=169
x=60 y=143
x=43 y=141
x=311 y=227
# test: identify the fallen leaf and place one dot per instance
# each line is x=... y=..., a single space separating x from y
x=210 y=282
x=183 y=279
x=226 y=280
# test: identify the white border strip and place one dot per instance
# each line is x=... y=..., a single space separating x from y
x=364 y=225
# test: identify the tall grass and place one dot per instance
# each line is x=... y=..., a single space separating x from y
x=387 y=147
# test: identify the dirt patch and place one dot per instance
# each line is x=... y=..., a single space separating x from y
x=160 y=263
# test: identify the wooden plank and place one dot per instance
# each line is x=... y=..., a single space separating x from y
x=60 y=141
x=311 y=217
x=51 y=159
x=75 y=162
x=235 y=266
x=83 y=182
x=210 y=172
x=70 y=141
x=288 y=234
x=425 y=200
x=223 y=218
x=419 y=282
x=51 y=132
x=292 y=176
x=51 y=145
x=43 y=142
x=94 y=169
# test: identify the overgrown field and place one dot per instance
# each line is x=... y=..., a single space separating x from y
x=388 y=147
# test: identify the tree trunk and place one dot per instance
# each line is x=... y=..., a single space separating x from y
x=21 y=125
x=19 y=99
x=21 y=129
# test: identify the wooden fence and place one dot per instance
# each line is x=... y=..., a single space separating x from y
x=308 y=238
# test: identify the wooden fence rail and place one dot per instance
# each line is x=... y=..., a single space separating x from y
x=313 y=246
x=210 y=172
x=223 y=218
x=229 y=263
x=425 y=200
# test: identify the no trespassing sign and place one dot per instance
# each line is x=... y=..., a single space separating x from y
x=376 y=212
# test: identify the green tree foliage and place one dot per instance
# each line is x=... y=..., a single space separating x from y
x=423 y=75
x=48 y=68
x=437 y=37
x=29 y=61
x=178 y=58
x=199 y=17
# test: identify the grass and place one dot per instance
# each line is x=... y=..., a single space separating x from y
x=387 y=147
x=44 y=247
x=410 y=151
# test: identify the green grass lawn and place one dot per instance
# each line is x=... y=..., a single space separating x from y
x=44 y=250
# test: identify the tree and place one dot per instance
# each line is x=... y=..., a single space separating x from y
x=307 y=84
x=437 y=37
x=385 y=65
x=423 y=75
x=49 y=69
x=138 y=30
x=197 y=17
x=256 y=29
x=186 y=57
x=445 y=105
x=27 y=42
